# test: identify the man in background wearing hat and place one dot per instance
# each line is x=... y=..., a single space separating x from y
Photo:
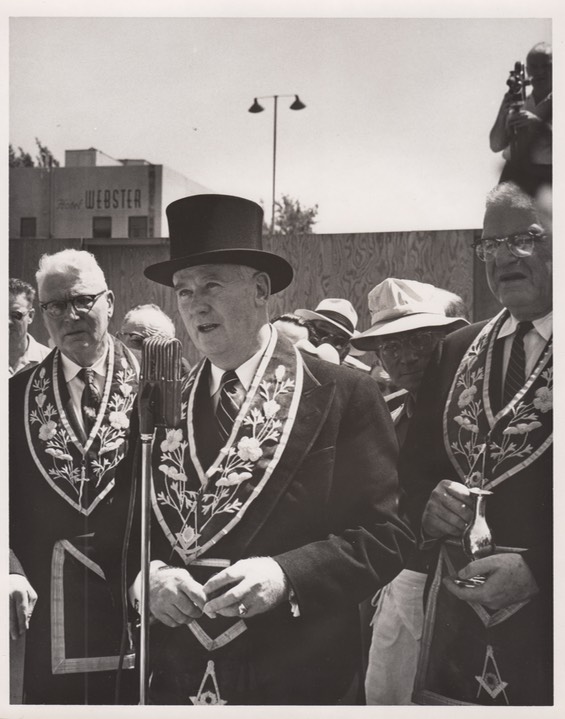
x=274 y=501
x=483 y=421
x=408 y=328
x=331 y=325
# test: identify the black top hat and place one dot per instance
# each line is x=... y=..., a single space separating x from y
x=217 y=229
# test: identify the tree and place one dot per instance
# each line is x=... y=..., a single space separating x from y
x=293 y=219
x=21 y=159
x=45 y=157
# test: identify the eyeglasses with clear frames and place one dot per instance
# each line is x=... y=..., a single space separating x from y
x=81 y=304
x=520 y=244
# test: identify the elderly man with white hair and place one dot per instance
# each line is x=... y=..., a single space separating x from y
x=69 y=426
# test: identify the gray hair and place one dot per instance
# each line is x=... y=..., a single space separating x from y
x=69 y=262
x=508 y=193
x=167 y=324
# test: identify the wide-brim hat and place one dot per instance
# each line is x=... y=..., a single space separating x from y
x=218 y=229
x=336 y=311
x=404 y=305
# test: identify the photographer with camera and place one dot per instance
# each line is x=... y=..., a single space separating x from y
x=523 y=129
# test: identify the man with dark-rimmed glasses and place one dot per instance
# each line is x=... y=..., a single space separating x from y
x=69 y=426
x=484 y=421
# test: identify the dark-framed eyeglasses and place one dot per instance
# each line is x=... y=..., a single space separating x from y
x=18 y=315
x=81 y=304
x=419 y=342
x=520 y=244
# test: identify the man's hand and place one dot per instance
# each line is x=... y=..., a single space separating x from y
x=22 y=601
x=448 y=511
x=258 y=583
x=523 y=119
x=175 y=598
x=508 y=580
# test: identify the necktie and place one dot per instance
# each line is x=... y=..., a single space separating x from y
x=90 y=399
x=516 y=371
x=229 y=402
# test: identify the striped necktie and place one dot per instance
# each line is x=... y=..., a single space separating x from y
x=229 y=402
x=90 y=399
x=516 y=370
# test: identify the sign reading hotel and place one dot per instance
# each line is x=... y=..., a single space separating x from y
x=115 y=199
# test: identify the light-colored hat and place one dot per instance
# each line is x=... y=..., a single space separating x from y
x=403 y=305
x=338 y=312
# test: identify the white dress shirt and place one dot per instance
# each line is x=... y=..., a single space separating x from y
x=76 y=386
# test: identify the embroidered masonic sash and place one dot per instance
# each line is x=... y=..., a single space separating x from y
x=486 y=448
x=80 y=469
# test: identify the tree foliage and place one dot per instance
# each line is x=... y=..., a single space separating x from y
x=21 y=158
x=291 y=218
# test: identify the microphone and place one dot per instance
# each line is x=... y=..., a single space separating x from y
x=159 y=391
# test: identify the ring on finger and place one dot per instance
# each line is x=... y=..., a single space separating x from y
x=242 y=609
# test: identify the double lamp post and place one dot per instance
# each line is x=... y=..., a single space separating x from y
x=255 y=108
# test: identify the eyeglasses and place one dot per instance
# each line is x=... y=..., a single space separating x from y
x=18 y=315
x=319 y=336
x=419 y=342
x=520 y=244
x=80 y=303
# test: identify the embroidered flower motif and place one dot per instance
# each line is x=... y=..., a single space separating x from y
x=467 y=396
x=522 y=428
x=466 y=423
x=124 y=363
x=118 y=420
x=544 y=399
x=280 y=373
x=42 y=372
x=172 y=441
x=58 y=454
x=40 y=400
x=270 y=408
x=176 y=475
x=233 y=479
x=48 y=430
x=126 y=389
x=249 y=449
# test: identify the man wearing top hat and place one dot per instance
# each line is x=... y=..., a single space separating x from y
x=408 y=328
x=484 y=422
x=275 y=499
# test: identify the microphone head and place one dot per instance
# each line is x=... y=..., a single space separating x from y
x=160 y=383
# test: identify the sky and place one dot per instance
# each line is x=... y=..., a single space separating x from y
x=394 y=136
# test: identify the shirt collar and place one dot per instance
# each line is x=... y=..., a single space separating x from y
x=71 y=369
x=543 y=326
x=245 y=372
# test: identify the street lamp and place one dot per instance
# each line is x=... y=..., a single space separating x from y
x=256 y=107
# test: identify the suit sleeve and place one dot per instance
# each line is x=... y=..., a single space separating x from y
x=367 y=541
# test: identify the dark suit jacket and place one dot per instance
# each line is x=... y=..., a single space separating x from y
x=329 y=517
x=519 y=512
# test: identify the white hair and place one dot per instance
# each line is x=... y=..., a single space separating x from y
x=166 y=324
x=70 y=261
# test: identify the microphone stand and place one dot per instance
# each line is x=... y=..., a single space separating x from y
x=159 y=402
x=146 y=435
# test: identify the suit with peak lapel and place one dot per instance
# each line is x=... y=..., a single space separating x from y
x=328 y=514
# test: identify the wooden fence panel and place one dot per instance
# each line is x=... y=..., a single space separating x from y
x=344 y=265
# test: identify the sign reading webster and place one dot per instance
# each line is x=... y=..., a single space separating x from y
x=116 y=199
